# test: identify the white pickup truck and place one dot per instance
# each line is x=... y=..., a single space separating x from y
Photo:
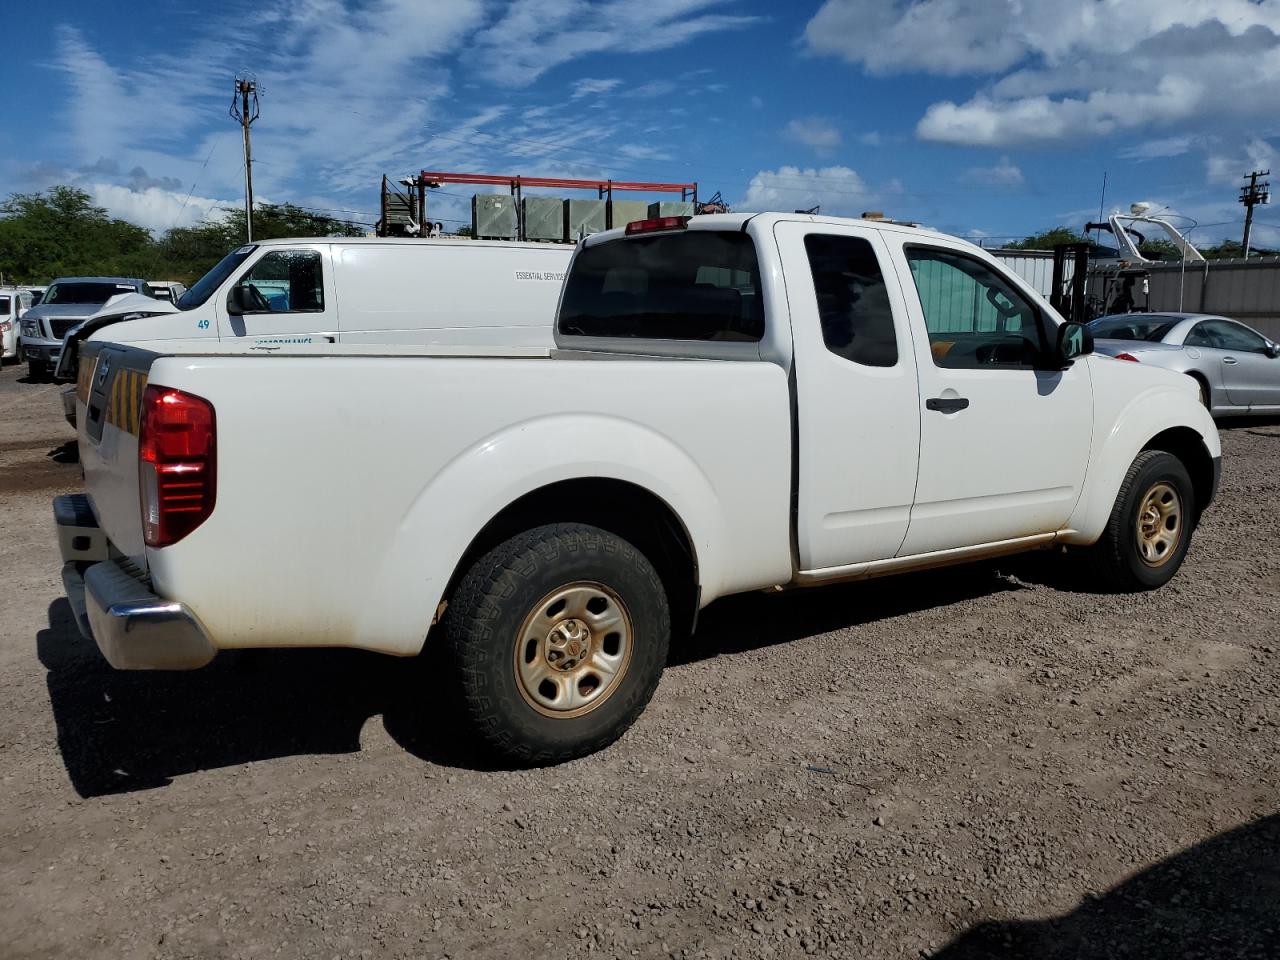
x=734 y=403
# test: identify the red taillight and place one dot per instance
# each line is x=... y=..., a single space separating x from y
x=1127 y=356
x=656 y=225
x=177 y=472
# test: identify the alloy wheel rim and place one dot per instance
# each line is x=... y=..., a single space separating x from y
x=1159 y=524
x=573 y=649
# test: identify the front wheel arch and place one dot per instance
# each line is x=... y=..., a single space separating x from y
x=1188 y=446
x=1206 y=391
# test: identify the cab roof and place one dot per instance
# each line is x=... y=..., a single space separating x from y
x=739 y=221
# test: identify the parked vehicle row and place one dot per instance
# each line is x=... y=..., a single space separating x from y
x=1235 y=368
x=733 y=403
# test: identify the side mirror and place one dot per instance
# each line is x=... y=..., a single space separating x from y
x=240 y=300
x=1273 y=350
x=1074 y=340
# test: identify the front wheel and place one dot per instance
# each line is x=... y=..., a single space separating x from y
x=36 y=370
x=1150 y=527
x=559 y=637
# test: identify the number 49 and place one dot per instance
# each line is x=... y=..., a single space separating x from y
x=202 y=324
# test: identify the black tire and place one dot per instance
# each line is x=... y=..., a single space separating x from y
x=1118 y=562
x=36 y=370
x=483 y=623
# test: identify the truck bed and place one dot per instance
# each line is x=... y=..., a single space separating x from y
x=350 y=478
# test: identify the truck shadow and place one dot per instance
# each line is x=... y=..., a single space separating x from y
x=1218 y=899
x=125 y=731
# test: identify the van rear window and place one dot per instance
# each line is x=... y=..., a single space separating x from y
x=694 y=285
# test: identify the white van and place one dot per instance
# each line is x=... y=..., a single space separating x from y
x=365 y=290
x=14 y=302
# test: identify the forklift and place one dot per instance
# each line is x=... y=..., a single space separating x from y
x=1125 y=289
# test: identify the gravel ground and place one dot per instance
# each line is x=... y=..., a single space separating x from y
x=976 y=762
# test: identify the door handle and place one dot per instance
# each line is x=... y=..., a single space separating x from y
x=946 y=404
x=1229 y=360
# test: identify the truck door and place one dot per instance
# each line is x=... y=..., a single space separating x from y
x=856 y=394
x=288 y=296
x=1003 y=442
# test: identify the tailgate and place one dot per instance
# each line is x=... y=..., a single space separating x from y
x=109 y=387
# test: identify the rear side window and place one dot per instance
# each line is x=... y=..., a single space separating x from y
x=695 y=285
x=853 y=305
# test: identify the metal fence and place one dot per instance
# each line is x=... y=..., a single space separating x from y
x=1245 y=290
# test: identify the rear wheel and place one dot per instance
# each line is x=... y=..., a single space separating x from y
x=559 y=637
x=1150 y=527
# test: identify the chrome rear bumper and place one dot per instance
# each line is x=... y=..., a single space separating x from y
x=115 y=607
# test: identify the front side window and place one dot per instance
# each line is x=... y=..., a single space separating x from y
x=1232 y=336
x=975 y=318
x=853 y=305
x=1225 y=335
x=285 y=281
x=692 y=285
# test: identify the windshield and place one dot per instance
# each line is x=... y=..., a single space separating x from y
x=211 y=281
x=1151 y=327
x=86 y=291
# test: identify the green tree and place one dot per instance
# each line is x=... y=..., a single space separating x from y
x=60 y=232
x=1047 y=239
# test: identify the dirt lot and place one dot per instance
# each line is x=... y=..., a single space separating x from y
x=978 y=762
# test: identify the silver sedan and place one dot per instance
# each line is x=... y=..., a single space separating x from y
x=1237 y=368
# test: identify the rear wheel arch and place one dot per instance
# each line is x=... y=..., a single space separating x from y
x=619 y=507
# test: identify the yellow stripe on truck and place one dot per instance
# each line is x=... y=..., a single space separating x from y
x=124 y=404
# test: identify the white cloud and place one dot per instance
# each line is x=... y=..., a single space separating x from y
x=155 y=208
x=1005 y=175
x=653 y=89
x=838 y=190
x=1075 y=68
x=1230 y=169
x=818 y=133
x=871 y=138
x=533 y=36
x=352 y=91
x=1160 y=148
x=593 y=87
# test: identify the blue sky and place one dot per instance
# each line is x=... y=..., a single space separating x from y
x=991 y=118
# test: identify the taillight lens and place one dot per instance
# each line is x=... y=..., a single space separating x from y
x=177 y=469
x=1127 y=356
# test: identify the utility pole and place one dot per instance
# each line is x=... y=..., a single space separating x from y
x=1252 y=195
x=244 y=108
